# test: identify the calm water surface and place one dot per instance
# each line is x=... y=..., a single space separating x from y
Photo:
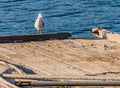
x=75 y=16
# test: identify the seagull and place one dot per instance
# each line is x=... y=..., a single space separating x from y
x=39 y=24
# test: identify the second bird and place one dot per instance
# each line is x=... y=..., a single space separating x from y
x=39 y=24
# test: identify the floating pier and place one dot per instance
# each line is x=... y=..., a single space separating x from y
x=60 y=60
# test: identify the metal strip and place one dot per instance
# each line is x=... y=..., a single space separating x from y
x=38 y=37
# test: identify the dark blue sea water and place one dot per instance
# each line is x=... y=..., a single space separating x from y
x=78 y=17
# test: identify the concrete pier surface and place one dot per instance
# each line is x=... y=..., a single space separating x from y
x=85 y=57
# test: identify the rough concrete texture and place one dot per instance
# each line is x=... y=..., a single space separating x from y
x=93 y=57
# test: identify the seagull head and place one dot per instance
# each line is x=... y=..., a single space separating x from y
x=40 y=15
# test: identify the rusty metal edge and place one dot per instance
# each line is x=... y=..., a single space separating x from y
x=68 y=83
x=35 y=37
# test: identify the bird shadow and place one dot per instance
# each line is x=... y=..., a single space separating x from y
x=11 y=70
x=24 y=69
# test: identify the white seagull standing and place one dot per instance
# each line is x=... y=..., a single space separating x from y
x=39 y=24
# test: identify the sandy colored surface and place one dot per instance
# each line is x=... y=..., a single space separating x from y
x=68 y=57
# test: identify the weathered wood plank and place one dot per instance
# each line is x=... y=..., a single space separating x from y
x=37 y=37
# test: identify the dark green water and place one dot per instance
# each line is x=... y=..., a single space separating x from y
x=75 y=16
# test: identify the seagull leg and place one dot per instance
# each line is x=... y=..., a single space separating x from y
x=40 y=32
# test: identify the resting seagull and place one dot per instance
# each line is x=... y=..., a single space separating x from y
x=39 y=24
